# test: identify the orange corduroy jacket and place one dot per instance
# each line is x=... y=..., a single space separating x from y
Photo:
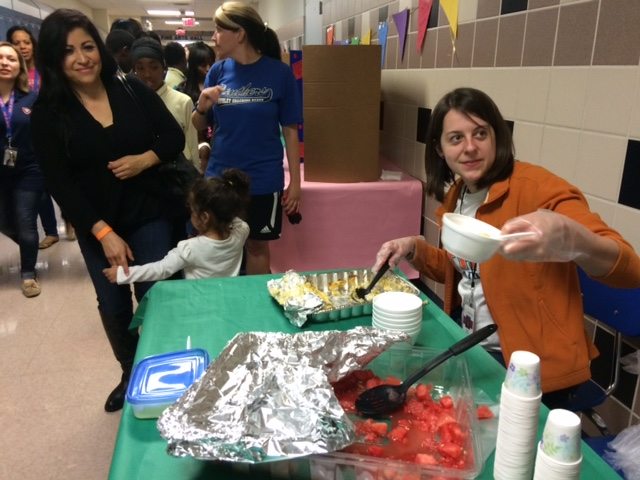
x=537 y=306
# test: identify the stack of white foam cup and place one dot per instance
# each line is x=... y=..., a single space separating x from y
x=518 y=418
x=398 y=311
x=559 y=456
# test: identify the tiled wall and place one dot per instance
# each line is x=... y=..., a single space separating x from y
x=565 y=72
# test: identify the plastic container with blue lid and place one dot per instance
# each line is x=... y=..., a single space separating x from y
x=159 y=380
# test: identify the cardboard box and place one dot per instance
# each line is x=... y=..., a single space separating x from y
x=341 y=99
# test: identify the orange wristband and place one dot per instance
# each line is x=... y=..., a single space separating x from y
x=103 y=232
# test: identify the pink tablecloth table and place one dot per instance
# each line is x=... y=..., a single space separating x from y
x=344 y=224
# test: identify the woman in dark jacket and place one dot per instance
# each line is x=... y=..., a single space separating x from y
x=21 y=181
x=98 y=150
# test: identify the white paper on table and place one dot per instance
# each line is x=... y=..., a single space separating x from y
x=389 y=175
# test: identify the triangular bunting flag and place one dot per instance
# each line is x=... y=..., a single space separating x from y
x=450 y=8
x=330 y=30
x=424 y=11
x=366 y=38
x=401 y=19
x=383 y=30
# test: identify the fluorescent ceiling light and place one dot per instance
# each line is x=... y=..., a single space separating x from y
x=177 y=22
x=164 y=13
x=189 y=13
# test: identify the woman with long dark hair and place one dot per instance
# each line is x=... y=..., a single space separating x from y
x=251 y=96
x=201 y=57
x=98 y=150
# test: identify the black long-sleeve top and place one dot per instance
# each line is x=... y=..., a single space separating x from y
x=76 y=172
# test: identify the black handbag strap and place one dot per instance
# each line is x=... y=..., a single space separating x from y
x=127 y=88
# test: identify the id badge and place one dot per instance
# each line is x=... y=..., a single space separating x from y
x=468 y=318
x=10 y=157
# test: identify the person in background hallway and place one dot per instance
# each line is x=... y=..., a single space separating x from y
x=248 y=122
x=21 y=180
x=22 y=38
x=154 y=35
x=131 y=25
x=98 y=150
x=216 y=207
x=531 y=289
x=201 y=57
x=118 y=43
x=149 y=67
x=176 y=59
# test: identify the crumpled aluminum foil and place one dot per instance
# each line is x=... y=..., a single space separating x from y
x=268 y=396
x=297 y=305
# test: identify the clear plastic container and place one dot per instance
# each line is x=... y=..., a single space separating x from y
x=451 y=378
x=159 y=380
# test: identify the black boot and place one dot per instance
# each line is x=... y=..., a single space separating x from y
x=115 y=400
x=123 y=343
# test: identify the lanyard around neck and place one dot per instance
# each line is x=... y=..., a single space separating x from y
x=7 y=112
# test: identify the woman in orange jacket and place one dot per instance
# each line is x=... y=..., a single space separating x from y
x=531 y=290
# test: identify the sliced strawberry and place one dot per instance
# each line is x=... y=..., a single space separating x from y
x=375 y=450
x=450 y=450
x=398 y=434
x=483 y=412
x=425 y=459
x=391 y=380
x=446 y=402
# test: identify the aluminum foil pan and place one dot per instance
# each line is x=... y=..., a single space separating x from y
x=329 y=296
x=268 y=396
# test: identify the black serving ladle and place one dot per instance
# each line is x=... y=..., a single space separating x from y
x=385 y=399
x=362 y=292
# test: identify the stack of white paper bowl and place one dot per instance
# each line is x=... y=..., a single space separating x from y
x=398 y=311
x=518 y=419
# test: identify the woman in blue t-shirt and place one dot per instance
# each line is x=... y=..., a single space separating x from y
x=249 y=96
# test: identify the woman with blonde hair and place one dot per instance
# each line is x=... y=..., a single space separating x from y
x=21 y=181
x=251 y=96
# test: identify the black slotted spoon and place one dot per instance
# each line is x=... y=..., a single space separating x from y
x=362 y=292
x=385 y=399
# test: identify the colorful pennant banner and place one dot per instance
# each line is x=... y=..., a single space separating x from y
x=424 y=11
x=401 y=19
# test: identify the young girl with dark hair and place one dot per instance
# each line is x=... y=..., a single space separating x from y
x=250 y=97
x=98 y=150
x=217 y=203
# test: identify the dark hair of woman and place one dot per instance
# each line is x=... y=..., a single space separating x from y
x=199 y=54
x=131 y=25
x=175 y=55
x=233 y=15
x=467 y=101
x=20 y=28
x=55 y=91
x=224 y=198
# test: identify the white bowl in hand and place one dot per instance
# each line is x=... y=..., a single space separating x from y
x=469 y=238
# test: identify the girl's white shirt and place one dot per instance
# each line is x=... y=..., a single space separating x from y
x=199 y=257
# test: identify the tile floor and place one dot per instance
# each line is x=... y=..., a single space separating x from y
x=56 y=370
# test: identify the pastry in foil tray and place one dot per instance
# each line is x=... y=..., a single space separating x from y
x=329 y=296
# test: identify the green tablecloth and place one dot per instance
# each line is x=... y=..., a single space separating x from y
x=211 y=312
